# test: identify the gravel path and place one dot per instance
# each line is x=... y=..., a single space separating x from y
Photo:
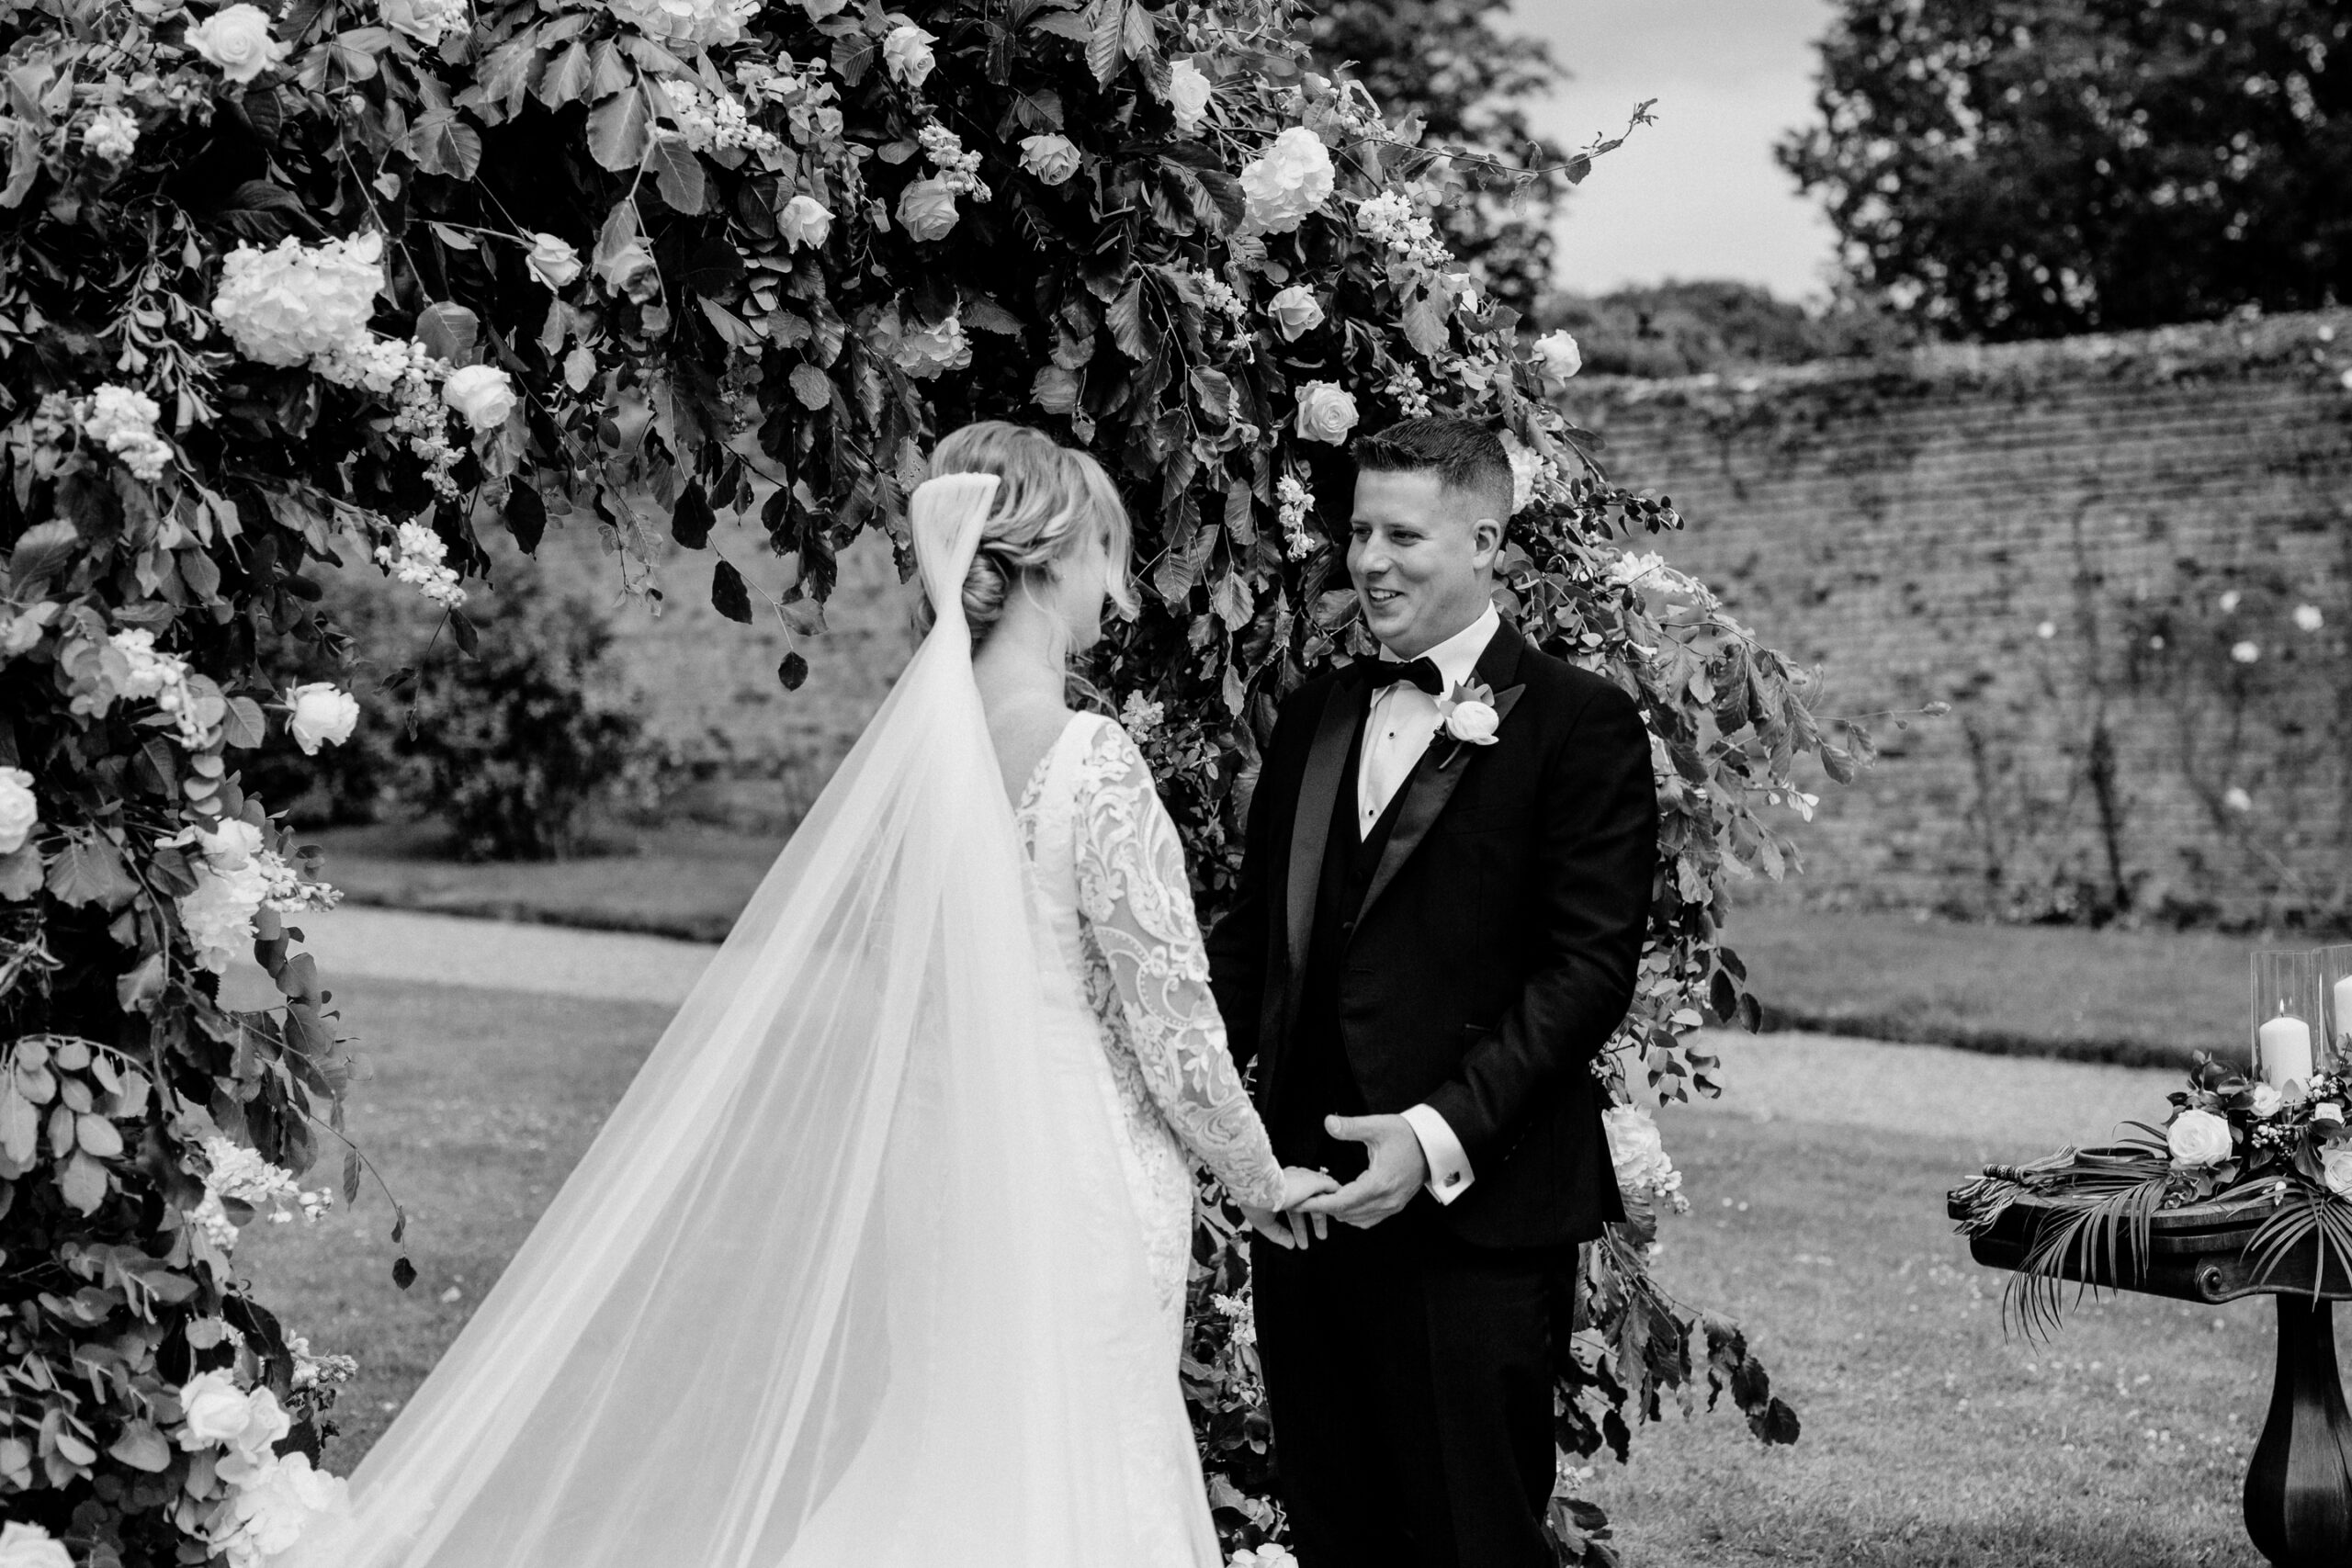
x=2014 y=1103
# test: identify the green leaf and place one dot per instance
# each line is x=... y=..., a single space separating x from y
x=1105 y=38
x=619 y=129
x=691 y=519
x=84 y=1182
x=1065 y=24
x=42 y=551
x=728 y=595
x=526 y=515
x=1128 y=329
x=141 y=1447
x=20 y=873
x=441 y=143
x=90 y=871
x=244 y=727
x=449 y=332
x=136 y=990
x=678 y=174
x=792 y=671
x=811 y=387
x=566 y=81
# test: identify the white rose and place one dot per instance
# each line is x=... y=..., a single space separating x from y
x=1635 y=1148
x=1296 y=311
x=1559 y=353
x=805 y=220
x=111 y=133
x=321 y=715
x=923 y=351
x=29 y=1546
x=1188 y=94
x=907 y=53
x=424 y=20
x=2336 y=1165
x=219 y=915
x=237 y=39
x=2328 y=1111
x=552 y=261
x=1291 y=179
x=1474 y=723
x=252 y=1445
x=820 y=9
x=480 y=392
x=1325 y=412
x=285 y=304
x=19 y=812
x=927 y=208
x=213 y=1411
x=2267 y=1100
x=2198 y=1138
x=699 y=24
x=230 y=845
x=282 y=1500
x=1052 y=159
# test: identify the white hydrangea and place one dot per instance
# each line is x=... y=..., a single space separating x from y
x=285 y=305
x=1289 y=180
x=1526 y=466
x=694 y=23
x=1139 y=717
x=716 y=122
x=163 y=676
x=110 y=134
x=1638 y=1153
x=959 y=170
x=1649 y=571
x=310 y=1371
x=417 y=555
x=219 y=914
x=281 y=1500
x=1392 y=222
x=122 y=420
x=239 y=1175
x=1410 y=394
x=1218 y=296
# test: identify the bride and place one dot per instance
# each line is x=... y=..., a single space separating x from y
x=881 y=1259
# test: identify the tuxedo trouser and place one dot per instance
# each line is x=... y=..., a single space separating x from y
x=1408 y=1379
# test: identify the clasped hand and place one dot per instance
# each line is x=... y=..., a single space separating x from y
x=1396 y=1169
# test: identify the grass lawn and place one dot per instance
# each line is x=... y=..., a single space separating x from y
x=1931 y=1438
x=2130 y=997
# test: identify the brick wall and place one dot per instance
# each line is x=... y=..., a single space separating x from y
x=2096 y=551
x=2006 y=529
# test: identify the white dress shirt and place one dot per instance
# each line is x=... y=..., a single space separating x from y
x=1402 y=722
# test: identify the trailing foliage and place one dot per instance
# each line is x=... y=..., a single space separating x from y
x=362 y=279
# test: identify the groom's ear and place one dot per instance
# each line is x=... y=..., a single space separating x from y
x=1487 y=536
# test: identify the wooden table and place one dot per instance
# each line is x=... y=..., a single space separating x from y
x=2299 y=1483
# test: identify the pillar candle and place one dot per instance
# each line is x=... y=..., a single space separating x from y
x=2343 y=1017
x=2286 y=1052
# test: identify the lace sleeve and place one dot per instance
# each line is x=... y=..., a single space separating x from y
x=1138 y=903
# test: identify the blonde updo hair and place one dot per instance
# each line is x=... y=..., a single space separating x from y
x=1050 y=501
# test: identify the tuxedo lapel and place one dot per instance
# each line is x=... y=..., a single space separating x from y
x=1434 y=778
x=1319 y=793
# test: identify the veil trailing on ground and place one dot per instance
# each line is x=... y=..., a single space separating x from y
x=823 y=1292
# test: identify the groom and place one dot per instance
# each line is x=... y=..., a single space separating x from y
x=1436 y=931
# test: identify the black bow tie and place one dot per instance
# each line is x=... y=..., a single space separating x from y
x=1421 y=673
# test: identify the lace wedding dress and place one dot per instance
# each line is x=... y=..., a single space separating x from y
x=880 y=1261
x=1108 y=875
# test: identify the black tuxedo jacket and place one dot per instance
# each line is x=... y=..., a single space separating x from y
x=1496 y=948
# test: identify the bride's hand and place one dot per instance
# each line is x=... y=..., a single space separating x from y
x=1281 y=1225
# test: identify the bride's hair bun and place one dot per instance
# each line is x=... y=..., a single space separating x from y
x=1050 y=502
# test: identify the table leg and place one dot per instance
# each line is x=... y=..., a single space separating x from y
x=2299 y=1487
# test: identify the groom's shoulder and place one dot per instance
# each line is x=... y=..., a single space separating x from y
x=1571 y=688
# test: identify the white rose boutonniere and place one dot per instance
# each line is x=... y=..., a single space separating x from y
x=2198 y=1138
x=1468 y=717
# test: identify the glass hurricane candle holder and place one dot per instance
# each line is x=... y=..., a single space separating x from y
x=2290 y=1016
x=2335 y=991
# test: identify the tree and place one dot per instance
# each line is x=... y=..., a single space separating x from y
x=287 y=294
x=1447 y=63
x=2028 y=168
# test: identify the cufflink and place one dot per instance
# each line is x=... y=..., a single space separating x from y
x=1453 y=1179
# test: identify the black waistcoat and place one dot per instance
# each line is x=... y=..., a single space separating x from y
x=1317 y=1081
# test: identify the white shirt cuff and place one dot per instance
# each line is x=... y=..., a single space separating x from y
x=1449 y=1172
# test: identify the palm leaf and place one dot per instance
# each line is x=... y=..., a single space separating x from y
x=2095 y=1230
x=2309 y=1215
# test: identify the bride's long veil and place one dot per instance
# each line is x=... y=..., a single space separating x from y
x=841 y=1281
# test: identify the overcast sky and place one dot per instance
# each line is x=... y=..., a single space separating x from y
x=1696 y=195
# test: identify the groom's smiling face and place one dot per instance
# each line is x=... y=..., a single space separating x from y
x=1422 y=554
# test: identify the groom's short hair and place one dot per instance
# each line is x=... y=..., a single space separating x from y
x=1464 y=454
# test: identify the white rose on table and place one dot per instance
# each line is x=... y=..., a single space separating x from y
x=1189 y=94
x=1291 y=179
x=19 y=812
x=1296 y=311
x=480 y=392
x=1052 y=159
x=927 y=208
x=553 y=259
x=213 y=1411
x=318 y=715
x=2336 y=1165
x=907 y=54
x=1558 y=353
x=29 y=1546
x=2328 y=1111
x=1325 y=412
x=237 y=39
x=2266 y=1101
x=805 y=222
x=2198 y=1138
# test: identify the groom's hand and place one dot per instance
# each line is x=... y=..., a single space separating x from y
x=1396 y=1172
